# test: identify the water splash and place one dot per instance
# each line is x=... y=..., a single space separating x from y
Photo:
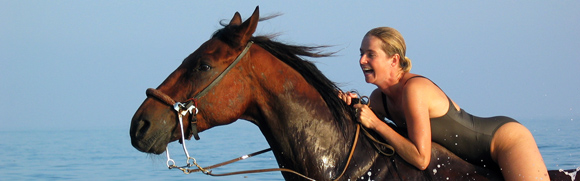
x=572 y=175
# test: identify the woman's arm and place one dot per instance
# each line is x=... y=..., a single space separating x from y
x=416 y=98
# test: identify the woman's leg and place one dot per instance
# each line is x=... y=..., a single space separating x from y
x=513 y=147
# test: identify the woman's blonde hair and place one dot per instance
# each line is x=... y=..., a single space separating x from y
x=393 y=43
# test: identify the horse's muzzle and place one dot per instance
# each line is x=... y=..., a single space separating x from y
x=151 y=134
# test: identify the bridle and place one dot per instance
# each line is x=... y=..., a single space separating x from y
x=190 y=107
x=191 y=103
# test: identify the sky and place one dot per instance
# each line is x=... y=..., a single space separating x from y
x=86 y=64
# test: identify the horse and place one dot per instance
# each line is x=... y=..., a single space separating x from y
x=312 y=133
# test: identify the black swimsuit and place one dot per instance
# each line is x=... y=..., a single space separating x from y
x=468 y=136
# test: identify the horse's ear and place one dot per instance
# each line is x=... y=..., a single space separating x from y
x=236 y=20
x=248 y=28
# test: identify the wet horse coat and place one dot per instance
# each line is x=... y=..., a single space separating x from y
x=309 y=129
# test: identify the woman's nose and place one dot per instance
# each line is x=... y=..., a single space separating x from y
x=362 y=60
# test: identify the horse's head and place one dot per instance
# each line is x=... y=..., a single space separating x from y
x=208 y=79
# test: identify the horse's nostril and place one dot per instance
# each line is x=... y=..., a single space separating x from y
x=142 y=127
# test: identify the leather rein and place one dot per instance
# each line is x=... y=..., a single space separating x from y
x=190 y=107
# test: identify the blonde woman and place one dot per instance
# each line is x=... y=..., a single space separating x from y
x=414 y=102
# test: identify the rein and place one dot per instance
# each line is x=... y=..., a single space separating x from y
x=204 y=170
x=190 y=107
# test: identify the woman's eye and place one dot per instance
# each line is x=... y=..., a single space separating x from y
x=370 y=55
x=204 y=67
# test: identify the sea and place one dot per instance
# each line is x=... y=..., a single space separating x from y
x=107 y=154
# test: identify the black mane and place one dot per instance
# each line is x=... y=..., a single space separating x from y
x=291 y=55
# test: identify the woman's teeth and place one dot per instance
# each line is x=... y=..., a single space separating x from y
x=367 y=70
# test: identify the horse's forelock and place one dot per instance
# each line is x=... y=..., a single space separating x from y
x=228 y=35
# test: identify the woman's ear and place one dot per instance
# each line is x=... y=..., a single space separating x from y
x=396 y=59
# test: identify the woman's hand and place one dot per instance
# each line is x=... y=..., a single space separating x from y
x=347 y=97
x=366 y=116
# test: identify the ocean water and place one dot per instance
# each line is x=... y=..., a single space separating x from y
x=108 y=154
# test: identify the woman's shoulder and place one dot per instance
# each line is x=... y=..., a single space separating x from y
x=416 y=82
x=419 y=89
x=413 y=79
x=422 y=89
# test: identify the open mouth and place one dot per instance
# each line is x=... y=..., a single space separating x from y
x=367 y=70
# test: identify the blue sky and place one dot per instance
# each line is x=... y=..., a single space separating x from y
x=86 y=64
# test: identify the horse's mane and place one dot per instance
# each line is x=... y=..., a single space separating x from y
x=292 y=56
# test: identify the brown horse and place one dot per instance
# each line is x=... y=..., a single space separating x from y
x=309 y=129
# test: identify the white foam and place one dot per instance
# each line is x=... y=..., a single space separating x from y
x=572 y=175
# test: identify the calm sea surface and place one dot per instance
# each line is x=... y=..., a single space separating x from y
x=108 y=154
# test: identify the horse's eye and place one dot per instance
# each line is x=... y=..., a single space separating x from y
x=204 y=67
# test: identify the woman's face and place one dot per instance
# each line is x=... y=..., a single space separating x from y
x=374 y=62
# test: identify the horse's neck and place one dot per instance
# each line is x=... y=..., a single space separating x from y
x=306 y=135
x=300 y=128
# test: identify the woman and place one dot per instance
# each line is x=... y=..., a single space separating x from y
x=415 y=102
